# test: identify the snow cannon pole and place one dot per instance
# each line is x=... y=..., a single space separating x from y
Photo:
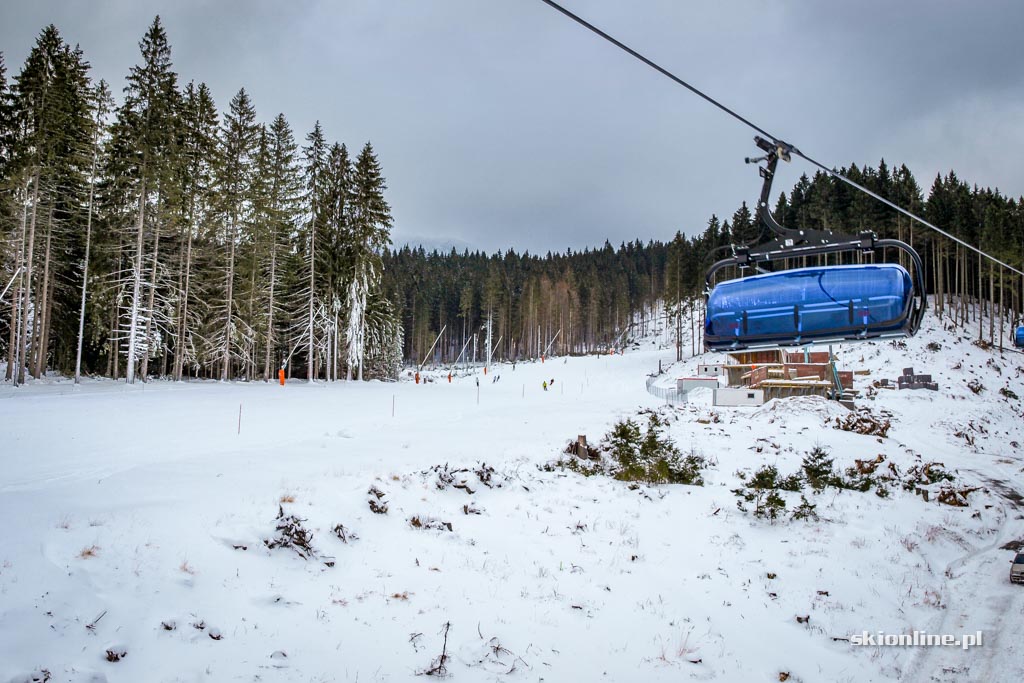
x=490 y=353
x=13 y=277
x=621 y=334
x=459 y=357
x=294 y=349
x=437 y=339
x=548 y=347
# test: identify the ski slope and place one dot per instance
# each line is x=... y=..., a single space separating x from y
x=136 y=520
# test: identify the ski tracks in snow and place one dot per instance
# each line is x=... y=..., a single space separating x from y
x=980 y=597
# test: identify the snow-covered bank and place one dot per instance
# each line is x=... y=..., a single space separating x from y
x=135 y=515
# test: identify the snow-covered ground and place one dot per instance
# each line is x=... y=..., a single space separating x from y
x=135 y=521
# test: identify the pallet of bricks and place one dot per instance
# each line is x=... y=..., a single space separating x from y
x=908 y=380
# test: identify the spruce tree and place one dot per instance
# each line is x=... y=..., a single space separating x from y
x=145 y=130
x=239 y=138
x=370 y=226
x=195 y=177
x=283 y=182
x=334 y=253
x=314 y=169
x=102 y=104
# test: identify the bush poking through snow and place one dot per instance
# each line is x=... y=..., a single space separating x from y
x=417 y=522
x=291 y=534
x=818 y=468
x=651 y=458
x=955 y=496
x=925 y=475
x=805 y=510
x=448 y=477
x=975 y=386
x=343 y=533
x=115 y=653
x=375 y=499
x=439 y=666
x=863 y=421
x=761 y=491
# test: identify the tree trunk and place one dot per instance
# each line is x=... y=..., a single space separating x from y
x=151 y=302
x=992 y=303
x=1001 y=308
x=230 y=296
x=13 y=353
x=270 y=310
x=363 y=333
x=179 y=357
x=25 y=342
x=311 y=365
x=45 y=301
x=85 y=273
x=136 y=285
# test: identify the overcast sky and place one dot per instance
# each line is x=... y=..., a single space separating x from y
x=500 y=123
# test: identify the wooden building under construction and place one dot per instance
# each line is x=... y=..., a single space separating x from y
x=778 y=373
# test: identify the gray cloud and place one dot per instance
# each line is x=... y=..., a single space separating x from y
x=502 y=124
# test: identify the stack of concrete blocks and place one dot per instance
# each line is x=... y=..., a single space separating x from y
x=908 y=380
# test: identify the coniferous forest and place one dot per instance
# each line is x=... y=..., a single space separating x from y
x=156 y=235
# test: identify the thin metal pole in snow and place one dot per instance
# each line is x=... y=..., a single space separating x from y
x=13 y=277
x=491 y=352
x=432 y=346
x=551 y=342
x=456 y=363
x=392 y=405
x=239 y=418
x=295 y=348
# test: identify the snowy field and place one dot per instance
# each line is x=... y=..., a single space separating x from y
x=136 y=522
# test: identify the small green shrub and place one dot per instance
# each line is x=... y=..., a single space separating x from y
x=805 y=510
x=818 y=468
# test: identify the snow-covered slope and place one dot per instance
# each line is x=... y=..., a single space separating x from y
x=136 y=521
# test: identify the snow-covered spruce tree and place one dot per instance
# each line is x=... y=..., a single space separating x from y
x=335 y=253
x=314 y=168
x=9 y=251
x=143 y=138
x=384 y=339
x=194 y=177
x=47 y=168
x=26 y=170
x=239 y=139
x=370 y=226
x=102 y=104
x=279 y=207
x=251 y=288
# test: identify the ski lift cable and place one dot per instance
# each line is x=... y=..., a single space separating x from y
x=784 y=146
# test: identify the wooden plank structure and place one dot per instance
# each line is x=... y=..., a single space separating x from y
x=786 y=373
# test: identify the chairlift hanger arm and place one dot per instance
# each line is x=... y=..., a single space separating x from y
x=789 y=149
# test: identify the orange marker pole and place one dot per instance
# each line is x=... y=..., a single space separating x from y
x=280 y=376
